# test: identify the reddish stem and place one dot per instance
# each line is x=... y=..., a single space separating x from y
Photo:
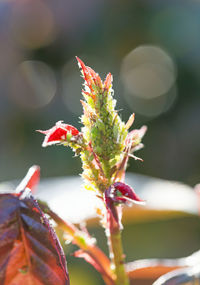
x=86 y=243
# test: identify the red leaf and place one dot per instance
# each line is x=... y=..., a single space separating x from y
x=30 y=251
x=86 y=73
x=108 y=81
x=90 y=76
x=58 y=133
x=94 y=259
x=127 y=194
x=95 y=76
x=31 y=179
x=83 y=254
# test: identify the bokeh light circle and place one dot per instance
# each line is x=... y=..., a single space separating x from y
x=148 y=72
x=33 y=24
x=151 y=107
x=148 y=75
x=33 y=84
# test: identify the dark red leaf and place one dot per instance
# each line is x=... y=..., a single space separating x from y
x=128 y=193
x=120 y=193
x=30 y=252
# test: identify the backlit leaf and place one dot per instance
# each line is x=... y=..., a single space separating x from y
x=31 y=179
x=30 y=252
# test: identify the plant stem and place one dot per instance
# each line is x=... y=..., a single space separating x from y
x=116 y=250
x=85 y=242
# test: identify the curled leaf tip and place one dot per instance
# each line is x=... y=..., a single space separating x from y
x=92 y=79
x=42 y=132
x=130 y=121
x=120 y=193
x=86 y=74
x=108 y=81
x=80 y=63
x=31 y=180
x=128 y=193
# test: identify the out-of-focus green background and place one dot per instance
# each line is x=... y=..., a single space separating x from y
x=151 y=47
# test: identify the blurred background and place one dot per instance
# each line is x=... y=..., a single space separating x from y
x=151 y=48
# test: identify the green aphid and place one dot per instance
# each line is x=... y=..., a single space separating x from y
x=95 y=173
x=100 y=97
x=81 y=240
x=112 y=162
x=24 y=269
x=69 y=136
x=91 y=157
x=78 y=151
x=116 y=131
x=100 y=125
x=95 y=88
x=98 y=149
x=90 y=102
x=94 y=132
x=87 y=153
x=98 y=105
